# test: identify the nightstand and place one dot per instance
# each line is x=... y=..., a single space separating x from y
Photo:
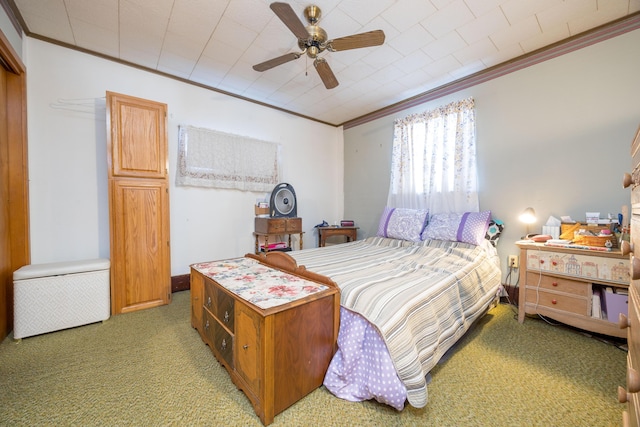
x=323 y=232
x=560 y=283
x=266 y=227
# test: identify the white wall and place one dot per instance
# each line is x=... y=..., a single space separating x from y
x=68 y=161
x=555 y=136
x=13 y=36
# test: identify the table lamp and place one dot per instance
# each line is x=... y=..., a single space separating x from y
x=528 y=216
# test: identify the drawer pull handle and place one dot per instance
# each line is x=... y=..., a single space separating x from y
x=623 y=396
x=223 y=346
x=554 y=263
x=626 y=247
x=246 y=346
x=623 y=321
x=635 y=268
x=206 y=325
x=541 y=261
x=627 y=180
x=633 y=380
x=209 y=302
x=554 y=284
x=554 y=301
x=226 y=317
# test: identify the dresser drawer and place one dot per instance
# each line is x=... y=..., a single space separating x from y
x=270 y=225
x=220 y=304
x=555 y=301
x=218 y=338
x=278 y=225
x=579 y=266
x=293 y=225
x=558 y=284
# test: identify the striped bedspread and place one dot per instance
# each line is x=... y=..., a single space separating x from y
x=421 y=297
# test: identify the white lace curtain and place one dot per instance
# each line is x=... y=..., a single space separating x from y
x=207 y=158
x=433 y=163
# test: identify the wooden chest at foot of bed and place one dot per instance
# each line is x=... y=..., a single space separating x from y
x=277 y=354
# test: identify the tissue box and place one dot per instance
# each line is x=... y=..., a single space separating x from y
x=551 y=230
x=593 y=217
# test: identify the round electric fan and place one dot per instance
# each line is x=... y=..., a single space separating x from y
x=283 y=201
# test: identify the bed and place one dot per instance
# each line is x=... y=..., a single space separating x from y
x=404 y=303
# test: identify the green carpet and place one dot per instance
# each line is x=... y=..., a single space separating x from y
x=150 y=368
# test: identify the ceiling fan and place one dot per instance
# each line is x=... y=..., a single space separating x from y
x=312 y=40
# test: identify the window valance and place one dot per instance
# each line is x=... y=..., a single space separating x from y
x=208 y=158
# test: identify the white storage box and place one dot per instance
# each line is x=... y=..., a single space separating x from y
x=50 y=297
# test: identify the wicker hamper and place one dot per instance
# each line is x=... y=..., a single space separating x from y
x=50 y=297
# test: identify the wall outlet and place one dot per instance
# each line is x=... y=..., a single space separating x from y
x=513 y=261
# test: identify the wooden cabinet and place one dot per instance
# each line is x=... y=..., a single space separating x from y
x=560 y=283
x=275 y=355
x=138 y=203
x=631 y=417
x=266 y=228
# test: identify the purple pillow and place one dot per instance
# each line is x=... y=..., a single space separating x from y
x=467 y=227
x=403 y=224
x=384 y=219
x=473 y=227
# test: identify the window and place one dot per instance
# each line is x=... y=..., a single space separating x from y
x=433 y=163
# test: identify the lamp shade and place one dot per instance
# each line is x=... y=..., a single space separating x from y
x=528 y=216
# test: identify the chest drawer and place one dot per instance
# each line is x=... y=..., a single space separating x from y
x=557 y=284
x=220 y=304
x=218 y=338
x=568 y=303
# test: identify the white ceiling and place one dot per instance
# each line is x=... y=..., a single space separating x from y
x=429 y=43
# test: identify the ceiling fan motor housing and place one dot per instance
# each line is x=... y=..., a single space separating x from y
x=283 y=202
x=315 y=44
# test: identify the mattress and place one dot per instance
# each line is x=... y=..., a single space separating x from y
x=419 y=297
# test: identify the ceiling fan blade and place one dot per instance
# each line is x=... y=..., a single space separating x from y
x=286 y=14
x=267 y=65
x=356 y=41
x=325 y=73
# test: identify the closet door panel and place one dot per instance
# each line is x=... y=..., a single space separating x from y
x=140 y=279
x=139 y=137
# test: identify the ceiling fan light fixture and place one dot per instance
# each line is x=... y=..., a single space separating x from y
x=313 y=51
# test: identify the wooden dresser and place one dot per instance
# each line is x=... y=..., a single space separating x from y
x=560 y=283
x=631 y=417
x=275 y=355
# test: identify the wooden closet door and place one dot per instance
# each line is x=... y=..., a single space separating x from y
x=14 y=182
x=138 y=203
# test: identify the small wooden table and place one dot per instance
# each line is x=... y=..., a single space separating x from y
x=266 y=227
x=323 y=232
